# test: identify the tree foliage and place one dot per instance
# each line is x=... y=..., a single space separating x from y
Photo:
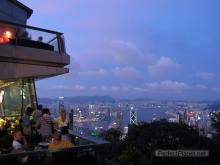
x=142 y=140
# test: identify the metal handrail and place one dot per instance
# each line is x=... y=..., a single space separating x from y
x=31 y=27
x=45 y=151
x=51 y=156
x=58 y=35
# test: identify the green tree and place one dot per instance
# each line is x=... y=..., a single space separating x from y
x=112 y=135
x=142 y=140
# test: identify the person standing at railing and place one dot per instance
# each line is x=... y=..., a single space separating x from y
x=45 y=125
x=36 y=137
x=62 y=122
x=37 y=113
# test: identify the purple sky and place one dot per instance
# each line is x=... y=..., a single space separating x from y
x=135 y=48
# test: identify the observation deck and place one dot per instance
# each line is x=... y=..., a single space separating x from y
x=31 y=52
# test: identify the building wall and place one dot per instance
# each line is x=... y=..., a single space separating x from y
x=11 y=12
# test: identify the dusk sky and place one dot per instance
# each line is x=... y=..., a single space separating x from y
x=161 y=49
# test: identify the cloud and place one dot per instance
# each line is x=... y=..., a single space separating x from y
x=128 y=62
x=115 y=88
x=164 y=86
x=100 y=73
x=201 y=86
x=104 y=88
x=126 y=53
x=163 y=65
x=69 y=88
x=205 y=75
x=74 y=68
x=79 y=87
x=216 y=89
x=94 y=88
x=127 y=73
x=59 y=87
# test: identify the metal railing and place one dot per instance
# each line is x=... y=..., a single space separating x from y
x=73 y=155
x=87 y=150
x=81 y=130
x=30 y=36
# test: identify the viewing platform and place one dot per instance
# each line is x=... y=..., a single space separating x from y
x=28 y=53
x=31 y=52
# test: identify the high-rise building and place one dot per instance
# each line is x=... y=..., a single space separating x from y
x=133 y=116
x=61 y=103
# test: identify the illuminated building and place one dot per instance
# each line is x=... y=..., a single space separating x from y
x=133 y=116
x=119 y=120
x=61 y=103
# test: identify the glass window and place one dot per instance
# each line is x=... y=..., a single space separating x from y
x=16 y=96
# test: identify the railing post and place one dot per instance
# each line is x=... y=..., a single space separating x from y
x=60 y=44
x=22 y=97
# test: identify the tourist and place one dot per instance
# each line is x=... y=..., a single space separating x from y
x=45 y=125
x=62 y=122
x=26 y=124
x=36 y=137
x=37 y=113
x=19 y=142
x=19 y=145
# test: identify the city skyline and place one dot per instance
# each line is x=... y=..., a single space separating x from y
x=131 y=49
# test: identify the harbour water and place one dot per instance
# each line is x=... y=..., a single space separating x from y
x=146 y=115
